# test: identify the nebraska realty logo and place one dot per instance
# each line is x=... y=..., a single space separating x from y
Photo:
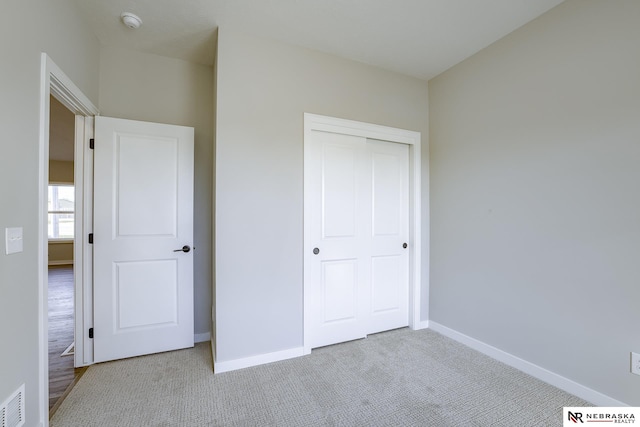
x=581 y=415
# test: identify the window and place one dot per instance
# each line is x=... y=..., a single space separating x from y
x=61 y=215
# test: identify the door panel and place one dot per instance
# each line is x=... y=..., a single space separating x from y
x=339 y=190
x=147 y=190
x=339 y=271
x=385 y=274
x=143 y=212
x=135 y=281
x=387 y=200
x=390 y=230
x=339 y=290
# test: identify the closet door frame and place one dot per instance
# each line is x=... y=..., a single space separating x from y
x=418 y=286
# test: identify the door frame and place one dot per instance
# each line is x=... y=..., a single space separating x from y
x=418 y=287
x=54 y=82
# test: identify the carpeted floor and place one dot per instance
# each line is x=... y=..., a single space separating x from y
x=396 y=378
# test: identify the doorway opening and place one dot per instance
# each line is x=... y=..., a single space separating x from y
x=56 y=88
x=61 y=207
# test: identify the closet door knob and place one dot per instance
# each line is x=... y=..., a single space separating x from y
x=316 y=251
x=404 y=245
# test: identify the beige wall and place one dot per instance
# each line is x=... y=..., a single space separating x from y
x=535 y=143
x=264 y=88
x=60 y=253
x=159 y=89
x=55 y=27
x=60 y=172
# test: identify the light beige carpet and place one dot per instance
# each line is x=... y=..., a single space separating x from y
x=397 y=378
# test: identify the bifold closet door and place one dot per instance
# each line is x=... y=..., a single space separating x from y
x=359 y=224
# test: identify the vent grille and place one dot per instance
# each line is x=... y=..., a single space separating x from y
x=12 y=409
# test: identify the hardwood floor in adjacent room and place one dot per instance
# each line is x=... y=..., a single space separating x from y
x=61 y=326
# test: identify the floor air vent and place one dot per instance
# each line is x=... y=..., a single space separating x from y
x=12 y=409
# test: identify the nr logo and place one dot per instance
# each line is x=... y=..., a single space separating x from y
x=575 y=417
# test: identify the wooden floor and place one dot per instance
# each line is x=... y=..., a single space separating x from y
x=61 y=314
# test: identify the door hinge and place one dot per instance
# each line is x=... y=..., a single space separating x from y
x=90 y=332
x=92 y=143
x=91 y=238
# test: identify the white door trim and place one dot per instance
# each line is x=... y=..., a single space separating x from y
x=314 y=122
x=53 y=81
x=83 y=251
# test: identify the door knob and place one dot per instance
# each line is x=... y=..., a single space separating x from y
x=404 y=245
x=185 y=248
x=316 y=251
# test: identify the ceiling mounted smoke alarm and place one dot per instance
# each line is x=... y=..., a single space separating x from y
x=130 y=20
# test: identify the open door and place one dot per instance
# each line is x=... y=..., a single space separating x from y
x=143 y=237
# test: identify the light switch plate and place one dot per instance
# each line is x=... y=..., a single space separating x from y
x=635 y=363
x=13 y=240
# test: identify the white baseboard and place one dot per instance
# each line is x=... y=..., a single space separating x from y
x=202 y=337
x=535 y=371
x=261 y=359
x=424 y=324
x=62 y=262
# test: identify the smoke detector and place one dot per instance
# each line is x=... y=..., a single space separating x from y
x=130 y=20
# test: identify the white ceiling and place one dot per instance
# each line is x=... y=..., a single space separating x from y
x=419 y=38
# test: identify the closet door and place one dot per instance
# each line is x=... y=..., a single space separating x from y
x=388 y=172
x=340 y=273
x=358 y=214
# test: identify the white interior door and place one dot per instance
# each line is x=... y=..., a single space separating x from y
x=339 y=291
x=358 y=214
x=143 y=217
x=389 y=230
